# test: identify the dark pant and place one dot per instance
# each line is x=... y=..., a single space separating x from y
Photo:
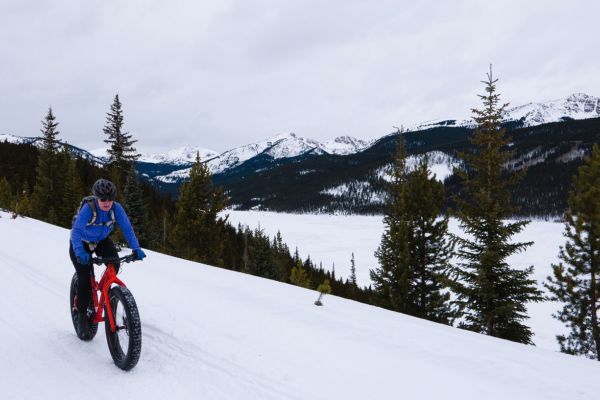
x=104 y=248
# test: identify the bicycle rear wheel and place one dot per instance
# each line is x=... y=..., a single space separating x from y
x=125 y=344
x=93 y=326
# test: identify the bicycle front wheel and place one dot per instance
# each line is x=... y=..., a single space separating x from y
x=125 y=343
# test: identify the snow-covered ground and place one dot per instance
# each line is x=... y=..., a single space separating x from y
x=331 y=239
x=210 y=333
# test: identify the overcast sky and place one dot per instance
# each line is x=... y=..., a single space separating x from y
x=220 y=74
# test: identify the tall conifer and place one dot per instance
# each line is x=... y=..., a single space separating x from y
x=575 y=281
x=391 y=280
x=135 y=206
x=261 y=260
x=121 y=152
x=198 y=232
x=72 y=192
x=6 y=196
x=46 y=188
x=415 y=249
x=353 y=274
x=430 y=247
x=492 y=295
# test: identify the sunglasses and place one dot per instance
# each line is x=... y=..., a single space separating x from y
x=106 y=200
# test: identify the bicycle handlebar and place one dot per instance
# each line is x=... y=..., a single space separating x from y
x=128 y=258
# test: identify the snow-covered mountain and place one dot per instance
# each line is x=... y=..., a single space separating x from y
x=575 y=106
x=211 y=333
x=38 y=142
x=18 y=139
x=285 y=145
x=180 y=156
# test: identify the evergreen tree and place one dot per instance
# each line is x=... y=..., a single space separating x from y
x=414 y=250
x=135 y=206
x=6 y=196
x=281 y=258
x=492 y=295
x=245 y=254
x=391 y=279
x=352 y=280
x=198 y=233
x=575 y=279
x=72 y=192
x=260 y=260
x=23 y=204
x=430 y=248
x=46 y=186
x=122 y=154
x=299 y=277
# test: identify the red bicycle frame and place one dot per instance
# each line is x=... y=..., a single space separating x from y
x=108 y=278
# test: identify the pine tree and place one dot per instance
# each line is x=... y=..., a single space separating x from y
x=491 y=294
x=135 y=206
x=415 y=249
x=575 y=279
x=281 y=258
x=198 y=233
x=122 y=154
x=352 y=280
x=6 y=196
x=430 y=247
x=23 y=203
x=391 y=279
x=46 y=186
x=299 y=277
x=72 y=192
x=260 y=260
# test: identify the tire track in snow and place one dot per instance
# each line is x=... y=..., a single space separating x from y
x=166 y=346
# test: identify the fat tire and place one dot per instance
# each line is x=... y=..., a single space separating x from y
x=121 y=296
x=93 y=326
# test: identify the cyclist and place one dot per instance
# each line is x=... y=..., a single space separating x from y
x=91 y=227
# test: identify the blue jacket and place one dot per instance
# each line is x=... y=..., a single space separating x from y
x=81 y=231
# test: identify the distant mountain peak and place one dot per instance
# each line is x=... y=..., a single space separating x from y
x=574 y=106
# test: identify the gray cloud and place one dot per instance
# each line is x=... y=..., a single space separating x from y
x=224 y=73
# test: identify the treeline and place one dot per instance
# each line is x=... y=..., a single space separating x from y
x=49 y=182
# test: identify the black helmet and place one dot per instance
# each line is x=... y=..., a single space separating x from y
x=104 y=189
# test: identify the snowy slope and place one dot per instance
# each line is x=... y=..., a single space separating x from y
x=318 y=236
x=209 y=333
x=5 y=137
x=39 y=143
x=575 y=106
x=181 y=155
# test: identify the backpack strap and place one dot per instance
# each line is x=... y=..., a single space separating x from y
x=92 y=204
x=111 y=214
